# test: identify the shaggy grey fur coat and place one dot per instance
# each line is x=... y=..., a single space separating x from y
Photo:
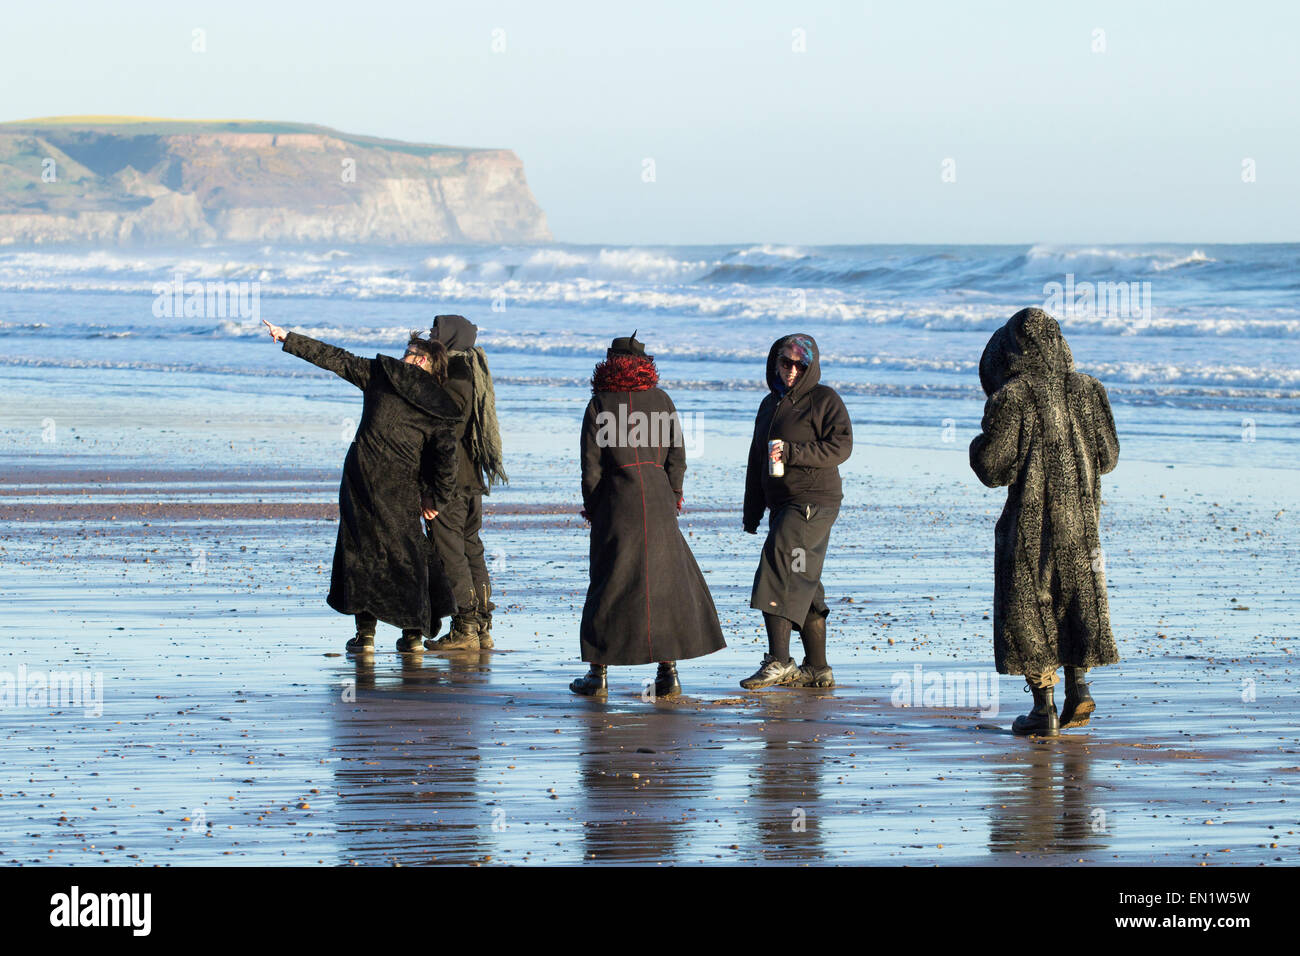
x=1047 y=434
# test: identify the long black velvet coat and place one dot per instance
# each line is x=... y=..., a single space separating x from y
x=404 y=447
x=1048 y=435
x=647 y=600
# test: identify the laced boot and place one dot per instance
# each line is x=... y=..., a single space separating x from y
x=364 y=642
x=463 y=635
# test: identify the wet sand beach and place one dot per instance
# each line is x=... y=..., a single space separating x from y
x=232 y=731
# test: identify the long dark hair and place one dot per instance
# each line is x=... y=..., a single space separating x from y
x=436 y=352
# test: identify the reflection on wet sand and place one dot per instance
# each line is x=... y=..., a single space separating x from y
x=407 y=771
x=478 y=759
x=641 y=785
x=1044 y=802
x=786 y=785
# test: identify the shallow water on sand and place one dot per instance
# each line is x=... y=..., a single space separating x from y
x=258 y=750
x=184 y=556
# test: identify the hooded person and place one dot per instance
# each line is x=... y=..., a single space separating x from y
x=455 y=532
x=647 y=601
x=400 y=466
x=1049 y=436
x=803 y=432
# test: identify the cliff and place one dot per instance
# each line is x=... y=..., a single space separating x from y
x=119 y=181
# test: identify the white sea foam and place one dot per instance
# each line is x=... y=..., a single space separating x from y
x=1073 y=259
x=1221 y=317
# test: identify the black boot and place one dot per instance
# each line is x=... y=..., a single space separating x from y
x=1078 y=705
x=463 y=635
x=485 y=609
x=485 y=642
x=1042 y=720
x=591 y=684
x=411 y=642
x=666 y=683
x=364 y=642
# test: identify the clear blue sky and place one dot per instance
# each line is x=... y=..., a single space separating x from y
x=752 y=142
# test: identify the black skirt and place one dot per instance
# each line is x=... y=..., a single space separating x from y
x=788 y=582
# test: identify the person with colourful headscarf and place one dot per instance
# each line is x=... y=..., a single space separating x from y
x=803 y=429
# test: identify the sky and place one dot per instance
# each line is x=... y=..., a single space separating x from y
x=814 y=122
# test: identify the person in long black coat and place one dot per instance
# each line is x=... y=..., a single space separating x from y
x=455 y=533
x=400 y=467
x=1049 y=436
x=815 y=436
x=647 y=601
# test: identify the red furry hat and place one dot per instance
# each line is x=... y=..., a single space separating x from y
x=624 y=373
x=626 y=368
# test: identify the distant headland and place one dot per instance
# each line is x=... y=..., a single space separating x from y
x=120 y=180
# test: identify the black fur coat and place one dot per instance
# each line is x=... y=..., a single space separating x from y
x=404 y=447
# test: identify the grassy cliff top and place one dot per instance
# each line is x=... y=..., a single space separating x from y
x=161 y=126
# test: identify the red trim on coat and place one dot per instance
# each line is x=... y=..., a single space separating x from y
x=645 y=533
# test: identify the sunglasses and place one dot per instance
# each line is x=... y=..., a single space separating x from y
x=787 y=363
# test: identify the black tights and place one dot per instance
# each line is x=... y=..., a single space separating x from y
x=366 y=624
x=778 y=636
x=813 y=635
x=814 y=639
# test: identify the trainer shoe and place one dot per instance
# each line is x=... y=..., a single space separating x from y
x=772 y=672
x=810 y=676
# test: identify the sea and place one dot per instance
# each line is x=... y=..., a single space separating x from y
x=1198 y=344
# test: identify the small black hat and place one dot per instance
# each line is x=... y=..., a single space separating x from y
x=627 y=346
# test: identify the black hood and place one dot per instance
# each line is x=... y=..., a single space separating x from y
x=418 y=387
x=811 y=376
x=1029 y=344
x=454 y=331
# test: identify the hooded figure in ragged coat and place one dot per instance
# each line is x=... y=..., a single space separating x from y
x=647 y=600
x=814 y=436
x=1049 y=435
x=400 y=466
x=455 y=532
